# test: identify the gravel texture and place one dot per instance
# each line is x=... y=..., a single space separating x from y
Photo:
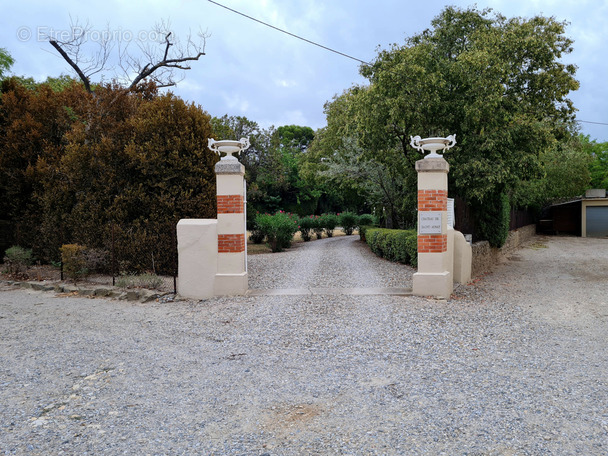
x=488 y=372
x=342 y=262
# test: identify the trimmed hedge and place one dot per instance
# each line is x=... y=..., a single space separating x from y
x=494 y=220
x=394 y=245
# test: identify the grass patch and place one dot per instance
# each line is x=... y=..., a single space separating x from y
x=139 y=281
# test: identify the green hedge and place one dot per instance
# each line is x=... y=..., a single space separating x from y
x=394 y=245
x=493 y=222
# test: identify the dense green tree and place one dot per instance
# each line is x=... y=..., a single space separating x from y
x=370 y=185
x=295 y=136
x=272 y=165
x=497 y=83
x=565 y=175
x=237 y=127
x=33 y=125
x=338 y=191
x=6 y=61
x=598 y=161
x=279 y=183
x=121 y=164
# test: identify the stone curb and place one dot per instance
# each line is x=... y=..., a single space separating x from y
x=141 y=294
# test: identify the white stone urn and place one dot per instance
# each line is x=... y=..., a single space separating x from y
x=432 y=145
x=228 y=146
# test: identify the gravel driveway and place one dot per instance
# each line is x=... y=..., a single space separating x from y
x=496 y=370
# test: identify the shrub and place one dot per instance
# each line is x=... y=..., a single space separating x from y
x=349 y=221
x=307 y=225
x=278 y=229
x=367 y=219
x=394 y=245
x=494 y=220
x=317 y=226
x=329 y=223
x=363 y=232
x=411 y=244
x=257 y=236
x=74 y=259
x=96 y=260
x=17 y=259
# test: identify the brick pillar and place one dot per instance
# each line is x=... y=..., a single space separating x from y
x=231 y=277
x=434 y=276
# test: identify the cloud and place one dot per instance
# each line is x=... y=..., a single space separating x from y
x=236 y=102
x=273 y=78
x=285 y=83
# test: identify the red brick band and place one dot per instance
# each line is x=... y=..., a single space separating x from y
x=432 y=243
x=230 y=204
x=432 y=200
x=230 y=243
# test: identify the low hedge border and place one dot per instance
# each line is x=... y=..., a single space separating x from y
x=394 y=245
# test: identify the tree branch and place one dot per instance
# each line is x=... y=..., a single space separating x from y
x=81 y=75
x=157 y=64
x=170 y=63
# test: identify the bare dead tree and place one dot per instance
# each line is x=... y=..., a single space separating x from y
x=161 y=54
x=70 y=45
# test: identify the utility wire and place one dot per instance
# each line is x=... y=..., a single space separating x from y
x=292 y=34
x=363 y=62
x=589 y=122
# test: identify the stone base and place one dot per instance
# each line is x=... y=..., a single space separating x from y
x=463 y=258
x=437 y=284
x=197 y=257
x=231 y=284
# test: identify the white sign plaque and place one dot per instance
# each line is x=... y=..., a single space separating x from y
x=429 y=222
x=451 y=212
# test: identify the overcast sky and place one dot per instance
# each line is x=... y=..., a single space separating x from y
x=274 y=79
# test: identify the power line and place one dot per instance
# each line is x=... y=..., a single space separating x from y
x=292 y=34
x=595 y=123
x=325 y=47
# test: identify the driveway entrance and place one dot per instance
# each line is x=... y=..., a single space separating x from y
x=337 y=265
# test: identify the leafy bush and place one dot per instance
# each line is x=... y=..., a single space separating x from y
x=363 y=232
x=317 y=226
x=367 y=219
x=59 y=185
x=74 y=259
x=411 y=245
x=494 y=220
x=349 y=221
x=307 y=225
x=278 y=229
x=257 y=236
x=96 y=260
x=17 y=259
x=329 y=223
x=394 y=245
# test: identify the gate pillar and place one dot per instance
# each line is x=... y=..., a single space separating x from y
x=231 y=277
x=434 y=276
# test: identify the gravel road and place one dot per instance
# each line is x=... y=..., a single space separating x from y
x=496 y=370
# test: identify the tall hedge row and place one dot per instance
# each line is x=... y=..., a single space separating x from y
x=493 y=222
x=118 y=168
x=394 y=245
